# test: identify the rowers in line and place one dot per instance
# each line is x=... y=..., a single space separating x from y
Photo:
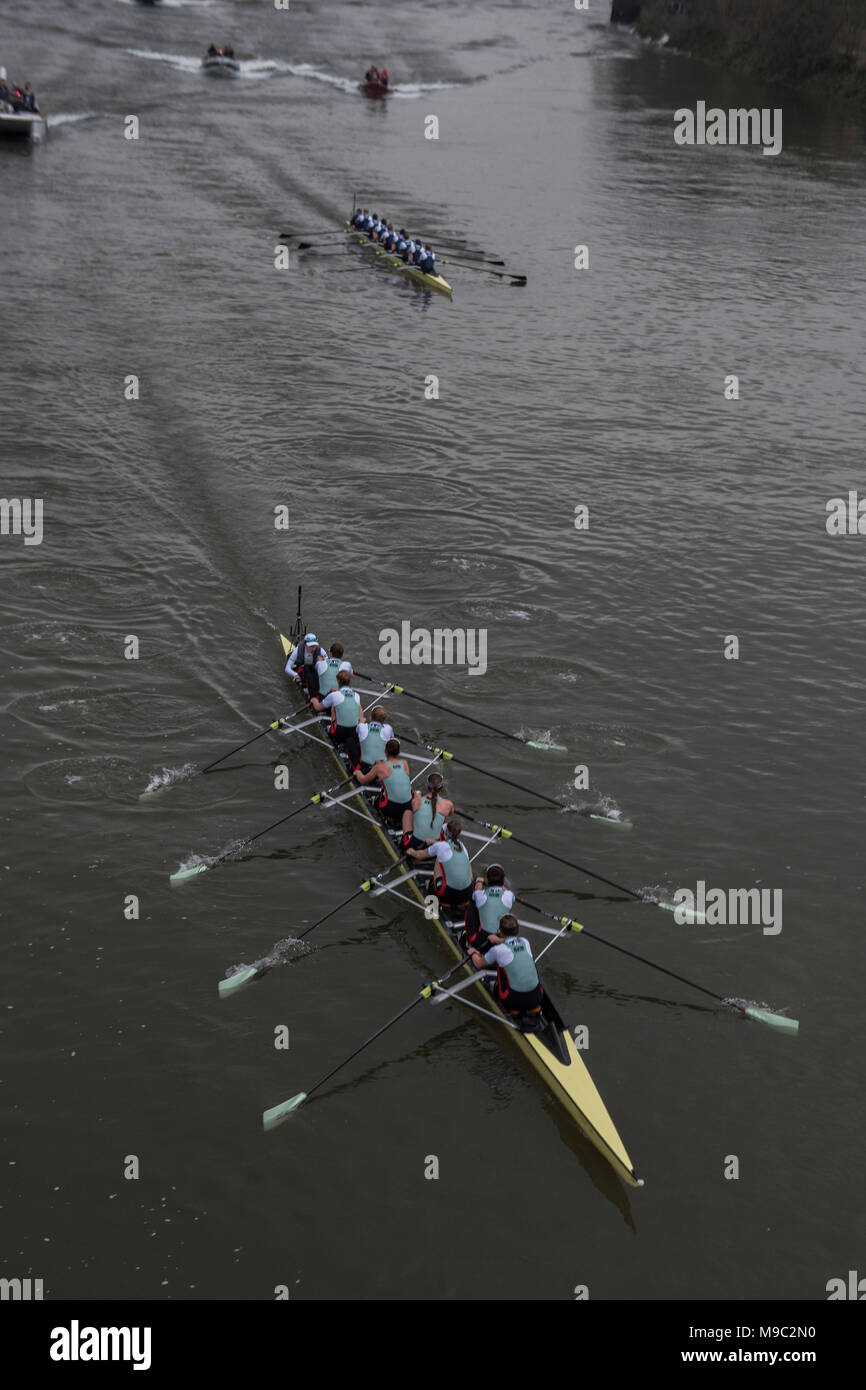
x=412 y=251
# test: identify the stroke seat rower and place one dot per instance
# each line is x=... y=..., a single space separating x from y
x=328 y=669
x=452 y=876
x=347 y=713
x=392 y=772
x=517 y=987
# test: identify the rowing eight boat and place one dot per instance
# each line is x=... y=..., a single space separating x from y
x=551 y=1052
x=411 y=272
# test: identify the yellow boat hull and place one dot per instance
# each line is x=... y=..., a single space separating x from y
x=570 y=1083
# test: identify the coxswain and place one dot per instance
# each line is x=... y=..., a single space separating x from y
x=452 y=877
x=392 y=772
x=430 y=809
x=301 y=665
x=517 y=987
x=347 y=713
x=327 y=668
x=490 y=902
x=373 y=736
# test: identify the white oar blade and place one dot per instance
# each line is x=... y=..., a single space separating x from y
x=237 y=981
x=183 y=875
x=275 y=1116
x=686 y=914
x=546 y=747
x=788 y=1025
x=611 y=820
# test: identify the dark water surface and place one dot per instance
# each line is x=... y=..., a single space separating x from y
x=305 y=388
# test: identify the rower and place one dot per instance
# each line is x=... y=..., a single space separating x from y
x=328 y=668
x=393 y=774
x=491 y=900
x=409 y=250
x=452 y=878
x=430 y=809
x=302 y=662
x=346 y=714
x=517 y=988
x=402 y=241
x=374 y=735
x=427 y=261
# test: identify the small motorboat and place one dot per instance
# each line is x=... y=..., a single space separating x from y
x=222 y=63
x=374 y=89
x=27 y=125
x=19 y=114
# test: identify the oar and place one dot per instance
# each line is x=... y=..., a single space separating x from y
x=452 y=757
x=488 y=260
x=275 y=1116
x=183 y=875
x=688 y=913
x=446 y=709
x=773 y=1020
x=317 y=232
x=249 y=973
x=278 y=723
x=511 y=275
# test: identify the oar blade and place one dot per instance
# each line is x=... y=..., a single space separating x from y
x=237 y=981
x=184 y=875
x=611 y=820
x=687 y=915
x=275 y=1116
x=787 y=1025
x=546 y=747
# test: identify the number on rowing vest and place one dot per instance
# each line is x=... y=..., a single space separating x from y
x=431 y=907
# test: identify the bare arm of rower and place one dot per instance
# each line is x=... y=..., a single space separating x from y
x=377 y=770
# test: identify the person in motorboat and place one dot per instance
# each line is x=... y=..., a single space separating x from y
x=384 y=79
x=213 y=52
x=30 y=99
x=228 y=51
x=518 y=988
x=392 y=773
x=372 y=75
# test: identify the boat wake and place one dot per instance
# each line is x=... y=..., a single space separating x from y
x=70 y=117
x=255 y=68
x=407 y=90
